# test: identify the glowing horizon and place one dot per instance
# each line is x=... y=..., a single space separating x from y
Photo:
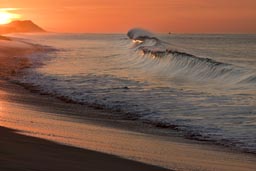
x=178 y=16
x=6 y=16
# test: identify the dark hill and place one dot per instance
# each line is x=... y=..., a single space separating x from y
x=25 y=26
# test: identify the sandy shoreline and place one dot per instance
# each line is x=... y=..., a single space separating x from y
x=11 y=60
x=19 y=152
x=46 y=117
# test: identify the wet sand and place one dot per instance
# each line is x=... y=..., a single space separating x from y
x=11 y=56
x=19 y=152
x=98 y=130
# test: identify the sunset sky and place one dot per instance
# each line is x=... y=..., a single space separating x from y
x=180 y=16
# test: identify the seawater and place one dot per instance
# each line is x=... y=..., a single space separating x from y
x=203 y=85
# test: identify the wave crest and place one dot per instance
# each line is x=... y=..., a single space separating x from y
x=140 y=34
x=183 y=64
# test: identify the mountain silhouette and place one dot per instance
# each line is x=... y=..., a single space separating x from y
x=26 y=26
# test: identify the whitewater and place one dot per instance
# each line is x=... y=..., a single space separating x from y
x=203 y=86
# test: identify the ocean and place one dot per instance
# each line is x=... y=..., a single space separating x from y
x=202 y=85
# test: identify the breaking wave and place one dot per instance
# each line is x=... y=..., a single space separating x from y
x=183 y=64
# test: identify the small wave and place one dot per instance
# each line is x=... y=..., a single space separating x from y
x=140 y=34
x=183 y=64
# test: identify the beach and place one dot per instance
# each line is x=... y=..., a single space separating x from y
x=20 y=152
x=60 y=124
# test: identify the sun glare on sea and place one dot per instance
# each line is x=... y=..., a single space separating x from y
x=6 y=17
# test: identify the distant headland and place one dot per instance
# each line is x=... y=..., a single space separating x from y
x=25 y=26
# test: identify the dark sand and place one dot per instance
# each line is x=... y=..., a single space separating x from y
x=19 y=152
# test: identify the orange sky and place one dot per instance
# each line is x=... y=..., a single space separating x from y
x=181 y=16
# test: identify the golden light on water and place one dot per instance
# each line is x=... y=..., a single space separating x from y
x=137 y=41
x=6 y=16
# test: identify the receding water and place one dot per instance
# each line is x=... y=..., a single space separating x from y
x=203 y=84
